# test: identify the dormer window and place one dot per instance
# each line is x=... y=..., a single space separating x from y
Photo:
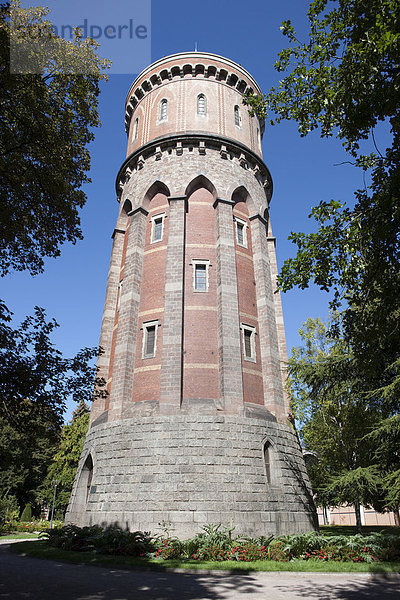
x=201 y=105
x=163 y=110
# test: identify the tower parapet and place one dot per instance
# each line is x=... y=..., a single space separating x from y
x=194 y=428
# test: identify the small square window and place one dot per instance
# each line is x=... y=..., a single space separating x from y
x=241 y=232
x=248 y=342
x=150 y=339
x=157 y=228
x=200 y=275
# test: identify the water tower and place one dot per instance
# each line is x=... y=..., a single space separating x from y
x=195 y=427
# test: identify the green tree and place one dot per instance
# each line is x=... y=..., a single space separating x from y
x=334 y=420
x=35 y=383
x=46 y=122
x=65 y=461
x=48 y=109
x=345 y=81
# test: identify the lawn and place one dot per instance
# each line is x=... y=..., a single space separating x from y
x=18 y=536
x=42 y=550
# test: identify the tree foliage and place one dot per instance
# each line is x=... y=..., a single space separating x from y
x=49 y=91
x=65 y=461
x=345 y=81
x=335 y=420
x=46 y=122
x=35 y=383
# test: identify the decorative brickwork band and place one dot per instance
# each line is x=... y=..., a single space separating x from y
x=230 y=361
x=122 y=383
x=172 y=336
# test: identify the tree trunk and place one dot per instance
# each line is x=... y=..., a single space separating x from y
x=358 y=516
x=396 y=516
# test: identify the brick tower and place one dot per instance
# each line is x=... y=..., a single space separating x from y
x=194 y=429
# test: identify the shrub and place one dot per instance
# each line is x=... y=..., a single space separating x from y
x=9 y=511
x=111 y=540
x=26 y=513
x=170 y=548
x=277 y=550
x=248 y=551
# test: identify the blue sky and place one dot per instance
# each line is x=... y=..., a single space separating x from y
x=72 y=287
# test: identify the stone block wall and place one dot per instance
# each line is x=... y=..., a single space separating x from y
x=191 y=470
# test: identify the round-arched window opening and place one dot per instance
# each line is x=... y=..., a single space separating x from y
x=163 y=110
x=87 y=473
x=267 y=460
x=201 y=105
x=237 y=116
x=135 y=129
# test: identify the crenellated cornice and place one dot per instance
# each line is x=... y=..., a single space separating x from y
x=227 y=148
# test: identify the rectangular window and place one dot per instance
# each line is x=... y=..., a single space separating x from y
x=157 y=228
x=150 y=339
x=241 y=232
x=200 y=278
x=248 y=342
x=200 y=275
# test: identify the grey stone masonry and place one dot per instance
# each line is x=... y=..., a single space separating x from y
x=122 y=377
x=107 y=324
x=172 y=336
x=280 y=326
x=270 y=356
x=229 y=350
x=192 y=470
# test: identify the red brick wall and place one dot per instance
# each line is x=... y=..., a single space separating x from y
x=200 y=379
x=147 y=371
x=252 y=373
x=182 y=93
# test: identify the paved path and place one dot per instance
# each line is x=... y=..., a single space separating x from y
x=25 y=578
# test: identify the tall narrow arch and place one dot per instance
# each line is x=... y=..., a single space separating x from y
x=201 y=105
x=123 y=217
x=163 y=109
x=241 y=194
x=236 y=112
x=158 y=187
x=267 y=460
x=135 y=129
x=198 y=182
x=81 y=493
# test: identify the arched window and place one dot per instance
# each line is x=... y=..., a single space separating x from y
x=258 y=138
x=201 y=105
x=237 y=116
x=163 y=110
x=87 y=472
x=267 y=461
x=135 y=129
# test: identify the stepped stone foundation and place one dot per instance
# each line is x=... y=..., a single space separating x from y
x=190 y=470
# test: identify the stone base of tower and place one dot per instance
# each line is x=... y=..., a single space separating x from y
x=191 y=470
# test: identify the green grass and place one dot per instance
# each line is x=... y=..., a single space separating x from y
x=18 y=536
x=351 y=530
x=41 y=550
